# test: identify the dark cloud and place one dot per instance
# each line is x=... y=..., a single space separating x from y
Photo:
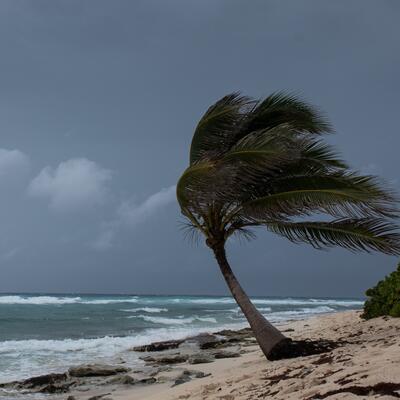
x=122 y=84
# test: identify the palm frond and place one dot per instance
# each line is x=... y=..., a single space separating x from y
x=339 y=194
x=194 y=181
x=282 y=107
x=243 y=234
x=191 y=232
x=263 y=163
x=319 y=155
x=215 y=131
x=264 y=152
x=364 y=234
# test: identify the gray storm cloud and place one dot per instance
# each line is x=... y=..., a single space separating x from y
x=72 y=184
x=124 y=84
x=13 y=162
x=131 y=214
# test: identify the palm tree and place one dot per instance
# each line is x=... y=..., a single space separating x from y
x=263 y=163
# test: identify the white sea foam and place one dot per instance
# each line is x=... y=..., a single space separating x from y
x=146 y=309
x=177 y=321
x=110 y=301
x=314 y=302
x=276 y=301
x=55 y=300
x=299 y=314
x=38 y=300
x=26 y=358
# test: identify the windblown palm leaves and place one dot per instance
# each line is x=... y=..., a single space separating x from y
x=265 y=164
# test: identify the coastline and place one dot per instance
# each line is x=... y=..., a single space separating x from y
x=83 y=329
x=366 y=363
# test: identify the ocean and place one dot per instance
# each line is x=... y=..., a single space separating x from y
x=48 y=333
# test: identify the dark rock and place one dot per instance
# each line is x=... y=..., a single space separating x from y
x=201 y=338
x=243 y=333
x=181 y=380
x=148 y=381
x=148 y=359
x=49 y=383
x=167 y=359
x=226 y=354
x=100 y=397
x=42 y=380
x=188 y=375
x=159 y=346
x=56 y=387
x=207 y=342
x=96 y=370
x=123 y=380
x=212 y=343
x=200 y=359
x=71 y=398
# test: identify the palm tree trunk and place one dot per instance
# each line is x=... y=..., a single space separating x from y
x=268 y=337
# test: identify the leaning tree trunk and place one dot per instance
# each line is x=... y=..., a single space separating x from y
x=270 y=339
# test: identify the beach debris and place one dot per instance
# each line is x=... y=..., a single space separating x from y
x=303 y=348
x=381 y=388
x=96 y=370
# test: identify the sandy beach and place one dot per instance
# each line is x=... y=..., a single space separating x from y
x=366 y=364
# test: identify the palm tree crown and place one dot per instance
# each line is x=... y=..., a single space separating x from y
x=264 y=163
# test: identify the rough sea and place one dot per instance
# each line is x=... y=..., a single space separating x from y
x=48 y=333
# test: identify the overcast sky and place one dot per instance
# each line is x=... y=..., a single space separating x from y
x=98 y=103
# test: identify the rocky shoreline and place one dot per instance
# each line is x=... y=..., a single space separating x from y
x=228 y=365
x=168 y=362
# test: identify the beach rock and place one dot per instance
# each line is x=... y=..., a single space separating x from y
x=188 y=375
x=100 y=397
x=207 y=342
x=159 y=369
x=167 y=359
x=212 y=343
x=42 y=380
x=226 y=354
x=243 y=333
x=49 y=383
x=96 y=370
x=159 y=346
x=148 y=381
x=56 y=387
x=202 y=338
x=148 y=359
x=200 y=359
x=123 y=380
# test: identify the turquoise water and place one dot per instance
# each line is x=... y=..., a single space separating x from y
x=48 y=333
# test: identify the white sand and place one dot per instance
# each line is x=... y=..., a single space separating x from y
x=370 y=357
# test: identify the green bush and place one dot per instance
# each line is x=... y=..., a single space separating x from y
x=384 y=298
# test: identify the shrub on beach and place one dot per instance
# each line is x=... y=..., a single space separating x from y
x=384 y=298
